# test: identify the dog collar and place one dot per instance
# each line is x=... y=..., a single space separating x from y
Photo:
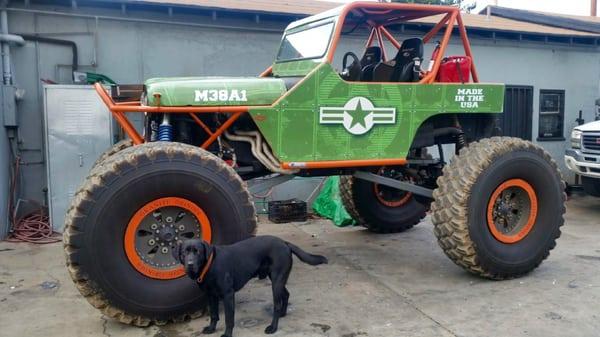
x=206 y=268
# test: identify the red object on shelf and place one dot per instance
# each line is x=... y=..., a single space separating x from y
x=455 y=69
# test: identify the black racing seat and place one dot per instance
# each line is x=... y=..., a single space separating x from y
x=370 y=59
x=403 y=70
x=372 y=56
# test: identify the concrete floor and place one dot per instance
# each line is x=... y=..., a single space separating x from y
x=375 y=285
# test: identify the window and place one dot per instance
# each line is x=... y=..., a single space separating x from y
x=309 y=43
x=552 y=115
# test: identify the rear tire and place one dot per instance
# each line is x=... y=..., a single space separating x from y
x=97 y=223
x=499 y=207
x=360 y=201
x=591 y=186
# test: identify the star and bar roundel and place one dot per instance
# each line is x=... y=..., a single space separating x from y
x=358 y=115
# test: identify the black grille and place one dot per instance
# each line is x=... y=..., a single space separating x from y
x=591 y=142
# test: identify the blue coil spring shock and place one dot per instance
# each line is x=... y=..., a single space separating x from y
x=165 y=133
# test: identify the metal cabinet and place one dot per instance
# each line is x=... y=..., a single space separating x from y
x=78 y=129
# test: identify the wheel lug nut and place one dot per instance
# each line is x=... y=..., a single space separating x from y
x=151 y=242
x=181 y=228
x=164 y=250
x=169 y=219
x=153 y=226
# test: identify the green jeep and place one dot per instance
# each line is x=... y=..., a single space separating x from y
x=384 y=122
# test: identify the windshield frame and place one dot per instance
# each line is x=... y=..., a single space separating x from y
x=305 y=27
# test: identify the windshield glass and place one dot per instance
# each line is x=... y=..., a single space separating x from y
x=306 y=44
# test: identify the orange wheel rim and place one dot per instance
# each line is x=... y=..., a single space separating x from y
x=391 y=203
x=150 y=235
x=391 y=200
x=512 y=211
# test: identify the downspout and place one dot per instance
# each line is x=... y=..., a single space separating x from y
x=5 y=39
x=67 y=43
x=5 y=159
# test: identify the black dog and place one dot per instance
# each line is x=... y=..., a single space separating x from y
x=222 y=270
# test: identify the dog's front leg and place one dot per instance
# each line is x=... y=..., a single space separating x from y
x=229 y=306
x=213 y=306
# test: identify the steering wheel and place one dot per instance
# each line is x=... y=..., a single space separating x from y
x=351 y=71
x=345 y=59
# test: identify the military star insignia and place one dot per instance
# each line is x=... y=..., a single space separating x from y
x=358 y=115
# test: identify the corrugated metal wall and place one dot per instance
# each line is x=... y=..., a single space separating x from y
x=130 y=51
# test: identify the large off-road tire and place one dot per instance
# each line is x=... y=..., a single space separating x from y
x=360 y=199
x=175 y=190
x=499 y=207
x=117 y=147
x=591 y=186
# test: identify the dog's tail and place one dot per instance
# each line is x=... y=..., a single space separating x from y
x=305 y=257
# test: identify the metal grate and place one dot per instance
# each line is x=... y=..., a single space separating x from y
x=518 y=111
x=591 y=142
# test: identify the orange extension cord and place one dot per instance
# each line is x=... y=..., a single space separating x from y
x=34 y=227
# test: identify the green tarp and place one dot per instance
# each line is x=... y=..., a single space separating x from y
x=329 y=204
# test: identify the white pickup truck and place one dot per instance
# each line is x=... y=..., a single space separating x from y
x=583 y=157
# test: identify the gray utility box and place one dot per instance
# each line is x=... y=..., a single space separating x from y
x=78 y=130
x=9 y=105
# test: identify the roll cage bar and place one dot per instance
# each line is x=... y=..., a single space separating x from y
x=381 y=15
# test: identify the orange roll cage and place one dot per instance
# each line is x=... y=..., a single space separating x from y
x=384 y=14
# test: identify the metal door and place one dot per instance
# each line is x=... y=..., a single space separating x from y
x=78 y=130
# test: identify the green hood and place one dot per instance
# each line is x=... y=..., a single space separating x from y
x=214 y=91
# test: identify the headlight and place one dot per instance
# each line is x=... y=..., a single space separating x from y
x=576 y=139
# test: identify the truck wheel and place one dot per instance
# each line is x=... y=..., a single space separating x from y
x=380 y=209
x=591 y=186
x=131 y=211
x=119 y=146
x=499 y=206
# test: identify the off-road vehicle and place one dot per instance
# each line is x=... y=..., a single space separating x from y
x=379 y=121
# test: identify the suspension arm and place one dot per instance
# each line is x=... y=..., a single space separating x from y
x=401 y=185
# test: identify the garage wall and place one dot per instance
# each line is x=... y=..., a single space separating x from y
x=127 y=52
x=130 y=52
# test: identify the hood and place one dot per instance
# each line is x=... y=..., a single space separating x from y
x=214 y=91
x=591 y=126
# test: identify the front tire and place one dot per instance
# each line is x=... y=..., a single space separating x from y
x=499 y=207
x=131 y=211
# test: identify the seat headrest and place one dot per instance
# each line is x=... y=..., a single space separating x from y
x=372 y=56
x=410 y=49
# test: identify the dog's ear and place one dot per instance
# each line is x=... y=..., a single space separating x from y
x=207 y=249
x=176 y=252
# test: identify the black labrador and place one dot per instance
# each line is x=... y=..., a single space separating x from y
x=222 y=270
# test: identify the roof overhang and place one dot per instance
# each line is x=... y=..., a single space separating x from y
x=378 y=13
x=546 y=19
